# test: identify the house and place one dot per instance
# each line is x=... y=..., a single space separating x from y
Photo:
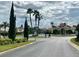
x=20 y=29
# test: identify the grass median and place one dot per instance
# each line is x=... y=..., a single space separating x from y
x=11 y=46
x=74 y=41
x=5 y=47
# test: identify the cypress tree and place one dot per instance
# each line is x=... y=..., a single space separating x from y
x=77 y=29
x=12 y=33
x=26 y=34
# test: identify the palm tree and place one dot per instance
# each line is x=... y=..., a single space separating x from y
x=39 y=18
x=52 y=24
x=5 y=24
x=36 y=13
x=1 y=25
x=29 y=11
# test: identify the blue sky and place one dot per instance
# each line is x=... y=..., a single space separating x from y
x=52 y=11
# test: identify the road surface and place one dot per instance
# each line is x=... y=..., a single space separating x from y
x=49 y=47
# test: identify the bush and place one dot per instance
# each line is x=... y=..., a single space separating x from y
x=56 y=31
x=74 y=40
x=9 y=41
x=69 y=31
x=20 y=40
x=5 y=41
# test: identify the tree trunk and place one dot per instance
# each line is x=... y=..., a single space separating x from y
x=35 y=21
x=30 y=21
x=38 y=23
x=38 y=27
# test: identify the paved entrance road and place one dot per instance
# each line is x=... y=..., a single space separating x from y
x=50 y=47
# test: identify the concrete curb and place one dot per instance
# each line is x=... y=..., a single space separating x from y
x=73 y=44
x=15 y=48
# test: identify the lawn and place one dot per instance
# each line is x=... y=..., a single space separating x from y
x=11 y=46
x=74 y=41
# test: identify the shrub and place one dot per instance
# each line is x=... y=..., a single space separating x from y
x=20 y=40
x=5 y=41
x=55 y=31
x=9 y=41
x=69 y=31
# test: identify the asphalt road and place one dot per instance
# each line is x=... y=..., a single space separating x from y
x=49 y=47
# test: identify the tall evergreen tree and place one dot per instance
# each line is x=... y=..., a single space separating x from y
x=12 y=33
x=77 y=29
x=26 y=34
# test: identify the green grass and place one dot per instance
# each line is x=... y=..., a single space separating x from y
x=11 y=46
x=74 y=41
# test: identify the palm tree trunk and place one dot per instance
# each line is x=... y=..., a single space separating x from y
x=30 y=21
x=35 y=21
x=4 y=32
x=38 y=27
x=38 y=23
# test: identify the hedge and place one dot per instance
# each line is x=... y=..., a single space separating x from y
x=9 y=41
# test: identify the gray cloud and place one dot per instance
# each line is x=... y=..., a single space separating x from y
x=59 y=10
x=27 y=6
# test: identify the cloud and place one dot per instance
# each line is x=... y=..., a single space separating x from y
x=26 y=6
x=56 y=11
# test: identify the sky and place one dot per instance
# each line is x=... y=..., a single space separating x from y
x=52 y=11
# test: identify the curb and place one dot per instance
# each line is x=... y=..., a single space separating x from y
x=15 y=48
x=73 y=44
